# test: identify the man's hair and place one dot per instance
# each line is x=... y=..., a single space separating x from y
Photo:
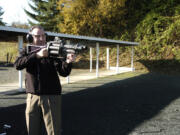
x=35 y=26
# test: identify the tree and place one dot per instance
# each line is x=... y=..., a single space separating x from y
x=1 y=13
x=20 y=25
x=45 y=13
x=102 y=18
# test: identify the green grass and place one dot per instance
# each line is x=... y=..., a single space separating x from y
x=8 y=52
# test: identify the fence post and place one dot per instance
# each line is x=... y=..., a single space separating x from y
x=132 y=58
x=97 y=59
x=90 y=59
x=117 y=63
x=107 y=66
x=20 y=41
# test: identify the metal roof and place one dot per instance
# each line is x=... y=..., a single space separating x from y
x=10 y=34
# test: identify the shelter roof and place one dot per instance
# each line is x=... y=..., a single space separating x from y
x=10 y=34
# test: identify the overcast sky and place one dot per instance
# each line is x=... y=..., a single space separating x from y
x=13 y=11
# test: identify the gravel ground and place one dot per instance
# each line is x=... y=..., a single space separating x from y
x=147 y=104
x=8 y=75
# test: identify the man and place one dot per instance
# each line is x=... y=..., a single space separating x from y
x=43 y=86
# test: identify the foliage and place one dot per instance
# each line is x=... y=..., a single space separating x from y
x=155 y=24
x=92 y=17
x=20 y=25
x=1 y=13
x=45 y=13
x=159 y=33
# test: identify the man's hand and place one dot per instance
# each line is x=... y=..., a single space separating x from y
x=42 y=53
x=70 y=58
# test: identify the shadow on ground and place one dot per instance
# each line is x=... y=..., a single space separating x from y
x=171 y=66
x=117 y=108
x=13 y=116
x=114 y=108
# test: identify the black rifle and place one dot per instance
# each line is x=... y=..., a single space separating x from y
x=57 y=48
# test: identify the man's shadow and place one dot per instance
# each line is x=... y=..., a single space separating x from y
x=118 y=107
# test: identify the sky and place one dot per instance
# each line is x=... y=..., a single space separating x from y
x=13 y=11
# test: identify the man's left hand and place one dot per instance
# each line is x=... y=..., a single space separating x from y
x=70 y=58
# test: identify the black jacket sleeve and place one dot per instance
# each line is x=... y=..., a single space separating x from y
x=24 y=60
x=63 y=68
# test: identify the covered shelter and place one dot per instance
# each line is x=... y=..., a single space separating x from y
x=11 y=34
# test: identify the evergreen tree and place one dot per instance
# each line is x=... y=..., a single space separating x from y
x=45 y=13
x=1 y=13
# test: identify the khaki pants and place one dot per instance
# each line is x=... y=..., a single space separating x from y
x=43 y=109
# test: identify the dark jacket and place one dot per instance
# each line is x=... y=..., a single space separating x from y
x=41 y=74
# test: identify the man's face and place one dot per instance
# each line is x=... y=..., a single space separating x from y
x=39 y=37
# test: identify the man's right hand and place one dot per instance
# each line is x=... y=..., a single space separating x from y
x=42 y=53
